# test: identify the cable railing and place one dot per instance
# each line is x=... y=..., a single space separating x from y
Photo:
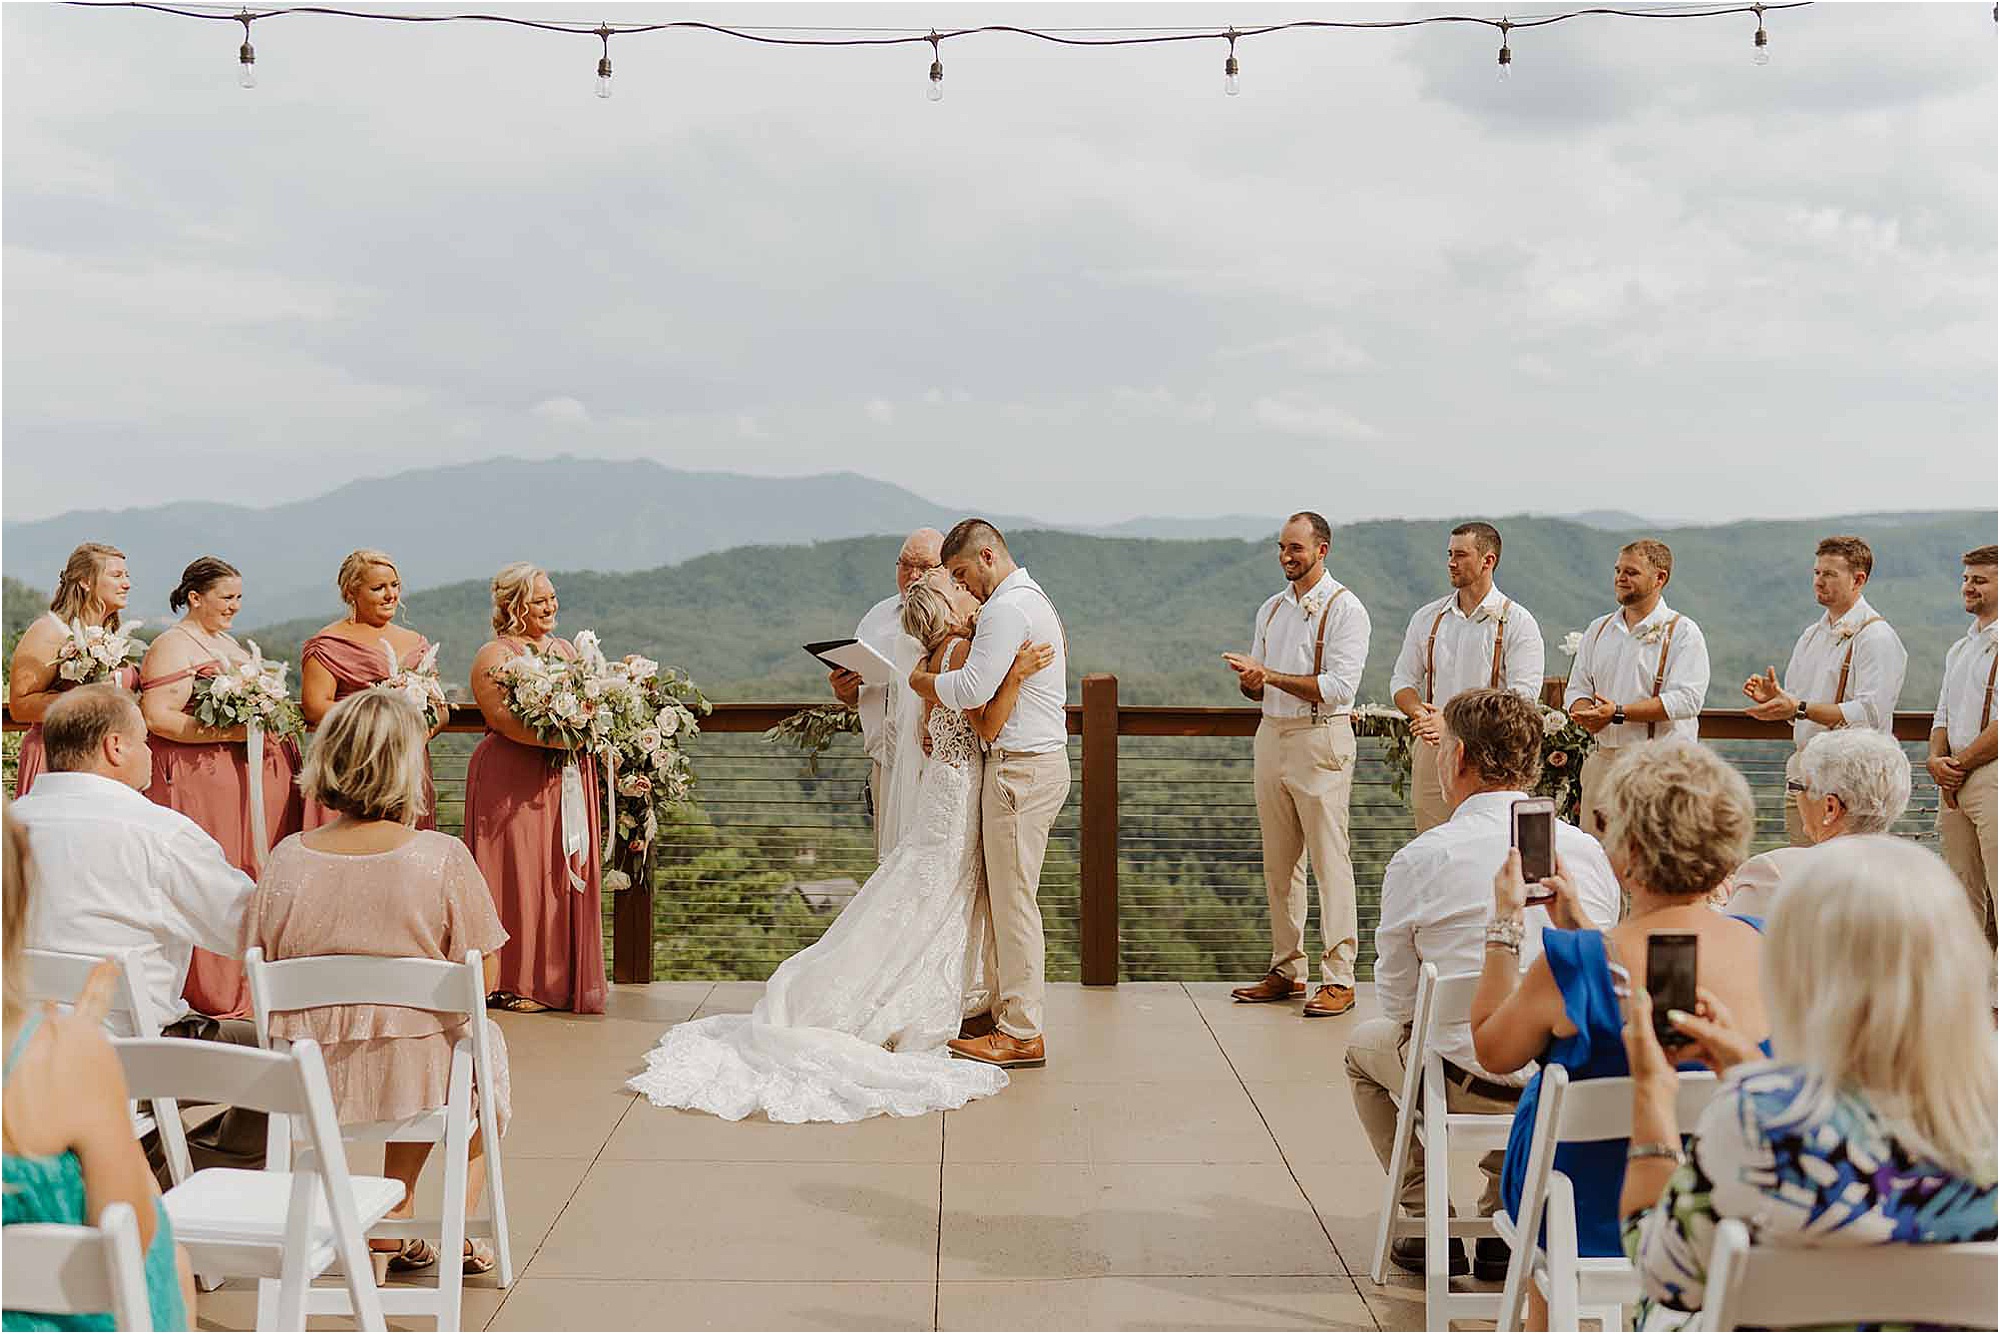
x=1155 y=864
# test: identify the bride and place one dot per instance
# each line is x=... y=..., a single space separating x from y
x=855 y=1024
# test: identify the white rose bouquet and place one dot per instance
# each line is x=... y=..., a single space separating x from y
x=658 y=709
x=250 y=695
x=91 y=653
x=419 y=684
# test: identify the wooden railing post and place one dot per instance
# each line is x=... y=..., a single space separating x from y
x=1097 y=854
x=632 y=930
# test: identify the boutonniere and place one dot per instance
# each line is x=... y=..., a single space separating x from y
x=1651 y=634
x=1311 y=603
x=1845 y=631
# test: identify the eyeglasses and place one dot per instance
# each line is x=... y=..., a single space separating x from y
x=1795 y=787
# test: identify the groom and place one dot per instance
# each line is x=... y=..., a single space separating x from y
x=1027 y=779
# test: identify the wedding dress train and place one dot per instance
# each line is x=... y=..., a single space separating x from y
x=855 y=1024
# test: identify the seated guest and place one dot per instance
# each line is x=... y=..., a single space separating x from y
x=370 y=882
x=67 y=1134
x=1874 y=1125
x=1677 y=818
x=135 y=876
x=1850 y=782
x=1436 y=896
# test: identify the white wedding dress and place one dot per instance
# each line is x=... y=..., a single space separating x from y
x=855 y=1024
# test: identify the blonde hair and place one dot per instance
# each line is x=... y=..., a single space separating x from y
x=354 y=571
x=14 y=919
x=928 y=616
x=1681 y=814
x=76 y=586
x=1875 y=979
x=513 y=589
x=367 y=758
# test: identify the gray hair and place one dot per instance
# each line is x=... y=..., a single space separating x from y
x=1866 y=769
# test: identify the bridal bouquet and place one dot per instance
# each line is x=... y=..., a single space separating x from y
x=550 y=696
x=419 y=684
x=250 y=695
x=93 y=653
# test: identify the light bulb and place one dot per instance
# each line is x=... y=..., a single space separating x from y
x=935 y=92
x=246 y=67
x=604 y=77
x=1232 y=84
x=1760 y=53
x=1506 y=64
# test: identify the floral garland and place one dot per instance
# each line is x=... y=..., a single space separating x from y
x=1565 y=746
x=813 y=731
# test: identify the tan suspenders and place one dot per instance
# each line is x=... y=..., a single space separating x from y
x=1430 y=648
x=1319 y=643
x=1847 y=662
x=1986 y=706
x=1659 y=671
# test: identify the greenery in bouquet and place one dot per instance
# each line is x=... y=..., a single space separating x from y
x=1392 y=729
x=813 y=730
x=251 y=693
x=91 y=653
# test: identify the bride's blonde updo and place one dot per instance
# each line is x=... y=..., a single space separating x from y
x=928 y=616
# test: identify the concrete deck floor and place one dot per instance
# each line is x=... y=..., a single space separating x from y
x=1183 y=1162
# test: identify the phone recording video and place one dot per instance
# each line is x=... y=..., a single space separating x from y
x=1670 y=974
x=1535 y=836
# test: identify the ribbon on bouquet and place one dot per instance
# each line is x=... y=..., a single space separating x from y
x=575 y=824
x=260 y=841
x=609 y=774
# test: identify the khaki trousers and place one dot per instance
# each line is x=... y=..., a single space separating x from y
x=1426 y=799
x=1019 y=801
x=1967 y=836
x=1591 y=780
x=1304 y=773
x=1795 y=824
x=1375 y=1056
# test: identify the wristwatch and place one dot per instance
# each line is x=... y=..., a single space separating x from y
x=1618 y=716
x=1800 y=712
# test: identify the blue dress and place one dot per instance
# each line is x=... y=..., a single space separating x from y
x=1595 y=1051
x=50 y=1190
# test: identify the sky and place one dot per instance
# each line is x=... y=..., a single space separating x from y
x=1641 y=274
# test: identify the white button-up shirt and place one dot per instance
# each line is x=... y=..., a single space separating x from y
x=1282 y=638
x=1619 y=662
x=1017 y=613
x=114 y=873
x=879 y=630
x=1462 y=658
x=1873 y=682
x=1437 y=897
x=1968 y=685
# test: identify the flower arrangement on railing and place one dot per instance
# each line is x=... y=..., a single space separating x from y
x=1565 y=745
x=91 y=653
x=813 y=730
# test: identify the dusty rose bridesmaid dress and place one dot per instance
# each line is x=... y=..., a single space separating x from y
x=209 y=782
x=513 y=824
x=355 y=667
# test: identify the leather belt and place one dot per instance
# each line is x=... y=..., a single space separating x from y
x=1478 y=1087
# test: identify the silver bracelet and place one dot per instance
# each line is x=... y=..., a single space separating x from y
x=1506 y=934
x=1635 y=1151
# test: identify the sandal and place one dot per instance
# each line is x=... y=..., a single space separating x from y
x=512 y=1004
x=413 y=1255
x=479 y=1257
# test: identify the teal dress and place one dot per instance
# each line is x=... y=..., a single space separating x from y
x=50 y=1190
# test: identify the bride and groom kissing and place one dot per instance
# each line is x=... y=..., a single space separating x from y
x=928 y=987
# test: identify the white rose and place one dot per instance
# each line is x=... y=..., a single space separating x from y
x=649 y=740
x=565 y=705
x=669 y=722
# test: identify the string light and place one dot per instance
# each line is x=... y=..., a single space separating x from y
x=246 y=56
x=1232 y=85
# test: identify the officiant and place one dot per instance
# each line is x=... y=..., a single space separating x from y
x=879 y=630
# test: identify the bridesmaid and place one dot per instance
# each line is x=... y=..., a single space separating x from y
x=347 y=656
x=554 y=956
x=203 y=772
x=94 y=589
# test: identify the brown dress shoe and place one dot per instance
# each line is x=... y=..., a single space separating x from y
x=997 y=1048
x=1329 y=1001
x=1275 y=987
x=978 y=1026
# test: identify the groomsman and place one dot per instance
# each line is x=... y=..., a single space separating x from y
x=1476 y=638
x=1845 y=671
x=1963 y=741
x=879 y=629
x=1307 y=647
x=1640 y=671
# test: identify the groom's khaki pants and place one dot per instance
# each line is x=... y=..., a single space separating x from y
x=1304 y=773
x=1018 y=803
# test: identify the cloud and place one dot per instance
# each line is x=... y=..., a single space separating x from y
x=880 y=411
x=563 y=411
x=1294 y=416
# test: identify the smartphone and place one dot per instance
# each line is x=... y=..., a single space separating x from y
x=1534 y=833
x=1670 y=972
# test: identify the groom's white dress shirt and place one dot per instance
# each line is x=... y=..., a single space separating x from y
x=879 y=630
x=1017 y=613
x=1874 y=678
x=1283 y=638
x=116 y=872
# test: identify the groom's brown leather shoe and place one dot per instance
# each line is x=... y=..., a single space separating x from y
x=1275 y=987
x=978 y=1026
x=997 y=1048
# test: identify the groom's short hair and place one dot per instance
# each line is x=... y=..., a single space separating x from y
x=970 y=535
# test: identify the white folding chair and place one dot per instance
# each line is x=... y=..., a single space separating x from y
x=1575 y=1286
x=56 y=975
x=291 y=1225
x=1762 y=1286
x=55 y=1269
x=1440 y=1003
x=419 y=984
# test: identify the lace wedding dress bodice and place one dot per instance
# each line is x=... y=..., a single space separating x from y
x=855 y=1024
